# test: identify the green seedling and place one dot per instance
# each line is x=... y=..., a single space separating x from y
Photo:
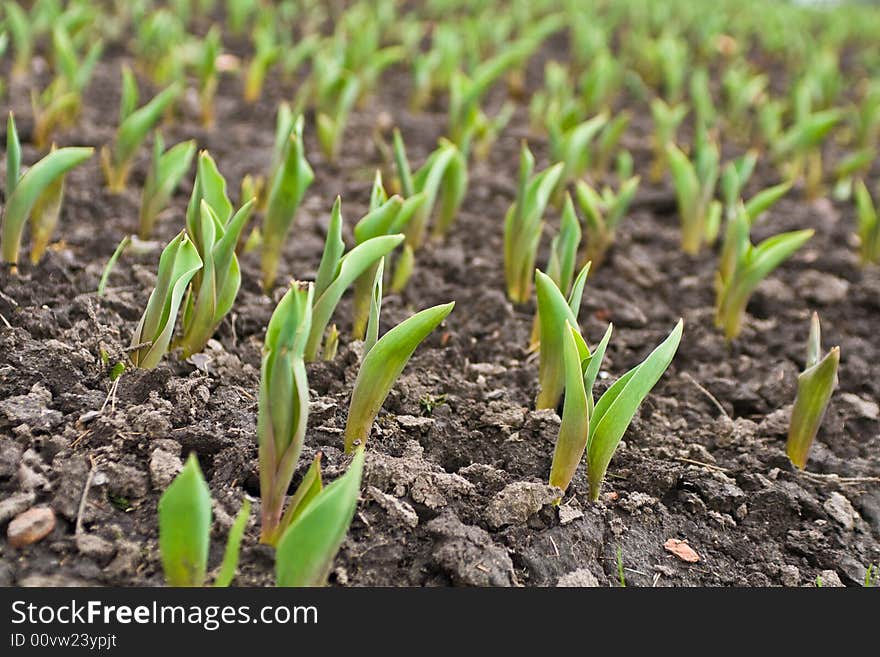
x=695 y=190
x=287 y=186
x=283 y=411
x=734 y=178
x=597 y=429
x=848 y=169
x=815 y=386
x=742 y=90
x=608 y=144
x=601 y=81
x=442 y=178
x=705 y=113
x=572 y=147
x=308 y=546
x=266 y=54
x=23 y=41
x=185 y=531
x=111 y=263
x=178 y=263
x=214 y=230
x=554 y=311
x=208 y=74
x=381 y=367
x=603 y=213
x=799 y=149
x=133 y=128
x=166 y=171
x=524 y=223
x=36 y=194
x=337 y=272
x=868 y=226
x=667 y=119
x=743 y=266
x=159 y=37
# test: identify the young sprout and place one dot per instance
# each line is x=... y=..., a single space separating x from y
x=372 y=331
x=523 y=224
x=554 y=310
x=36 y=194
x=443 y=177
x=208 y=76
x=603 y=213
x=166 y=171
x=23 y=37
x=178 y=263
x=185 y=530
x=695 y=190
x=337 y=91
x=111 y=263
x=742 y=266
x=283 y=410
x=869 y=226
x=309 y=544
x=266 y=53
x=608 y=142
x=601 y=81
x=847 y=169
x=742 y=90
x=799 y=149
x=337 y=272
x=214 y=230
x=705 y=113
x=666 y=121
x=288 y=183
x=571 y=146
x=734 y=178
x=815 y=385
x=381 y=367
x=133 y=128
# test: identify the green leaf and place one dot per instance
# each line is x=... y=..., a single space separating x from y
x=868 y=225
x=334 y=247
x=233 y=546
x=105 y=275
x=167 y=170
x=29 y=188
x=372 y=334
x=185 y=527
x=307 y=548
x=307 y=490
x=615 y=409
x=764 y=200
x=381 y=367
x=13 y=156
x=574 y=429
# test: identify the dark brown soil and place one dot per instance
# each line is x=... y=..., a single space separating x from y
x=703 y=461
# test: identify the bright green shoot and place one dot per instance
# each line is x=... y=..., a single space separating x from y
x=667 y=119
x=178 y=264
x=166 y=171
x=554 y=310
x=185 y=530
x=36 y=194
x=603 y=213
x=133 y=129
x=572 y=147
x=847 y=169
x=266 y=54
x=287 y=186
x=868 y=226
x=799 y=150
x=815 y=385
x=337 y=272
x=734 y=178
x=283 y=411
x=381 y=367
x=309 y=544
x=743 y=266
x=524 y=223
x=208 y=74
x=695 y=190
x=214 y=230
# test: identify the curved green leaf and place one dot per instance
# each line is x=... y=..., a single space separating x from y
x=185 y=527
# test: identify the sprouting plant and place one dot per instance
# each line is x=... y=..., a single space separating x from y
x=695 y=190
x=601 y=81
x=337 y=272
x=36 y=194
x=266 y=54
x=214 y=230
x=815 y=385
x=620 y=576
x=133 y=128
x=308 y=546
x=207 y=73
x=734 y=178
x=868 y=226
x=607 y=144
x=524 y=223
x=166 y=171
x=288 y=183
x=111 y=263
x=597 y=429
x=743 y=265
x=443 y=177
x=554 y=311
x=666 y=121
x=562 y=262
x=337 y=91
x=847 y=169
x=603 y=213
x=283 y=410
x=23 y=41
x=159 y=36
x=178 y=263
x=381 y=367
x=386 y=217
x=743 y=90
x=705 y=113
x=798 y=150
x=571 y=145
x=185 y=530
x=239 y=13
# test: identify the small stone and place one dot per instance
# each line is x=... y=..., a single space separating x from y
x=32 y=409
x=830 y=579
x=164 y=466
x=580 y=578
x=789 y=575
x=863 y=407
x=414 y=422
x=30 y=526
x=841 y=510
x=519 y=501
x=15 y=504
x=635 y=503
x=681 y=550
x=395 y=508
x=568 y=514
